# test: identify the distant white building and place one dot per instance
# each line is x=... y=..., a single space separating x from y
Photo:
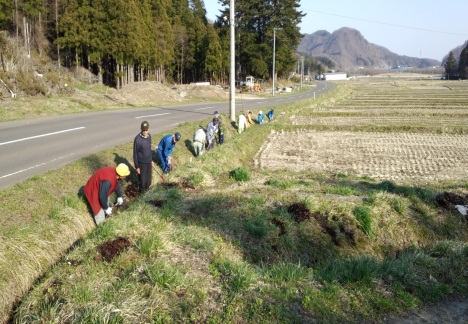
x=334 y=76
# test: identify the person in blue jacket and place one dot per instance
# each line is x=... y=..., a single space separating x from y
x=165 y=147
x=261 y=118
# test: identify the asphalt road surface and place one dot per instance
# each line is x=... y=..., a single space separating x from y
x=30 y=147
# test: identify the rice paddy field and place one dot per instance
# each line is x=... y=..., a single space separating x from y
x=397 y=130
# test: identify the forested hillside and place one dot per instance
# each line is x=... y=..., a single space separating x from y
x=124 y=41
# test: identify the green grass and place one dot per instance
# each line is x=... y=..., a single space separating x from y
x=364 y=216
x=222 y=246
x=240 y=174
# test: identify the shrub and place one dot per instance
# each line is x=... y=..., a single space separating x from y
x=31 y=85
x=240 y=174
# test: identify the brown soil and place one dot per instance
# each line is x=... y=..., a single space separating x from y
x=281 y=225
x=157 y=202
x=448 y=200
x=169 y=185
x=131 y=192
x=149 y=93
x=299 y=211
x=112 y=249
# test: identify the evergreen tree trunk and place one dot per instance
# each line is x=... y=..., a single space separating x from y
x=117 y=79
x=57 y=33
x=99 y=75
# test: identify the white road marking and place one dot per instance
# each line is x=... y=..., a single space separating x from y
x=43 y=135
x=204 y=108
x=35 y=166
x=152 y=115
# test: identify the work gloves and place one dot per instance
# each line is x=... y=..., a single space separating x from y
x=108 y=211
x=120 y=201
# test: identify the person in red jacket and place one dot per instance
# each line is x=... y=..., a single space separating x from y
x=99 y=188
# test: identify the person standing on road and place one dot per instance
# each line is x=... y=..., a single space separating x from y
x=143 y=157
x=165 y=147
x=199 y=140
x=241 y=123
x=99 y=188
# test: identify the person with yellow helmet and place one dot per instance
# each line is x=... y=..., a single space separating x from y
x=99 y=188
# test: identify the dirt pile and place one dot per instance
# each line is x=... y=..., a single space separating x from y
x=149 y=93
x=112 y=249
x=141 y=93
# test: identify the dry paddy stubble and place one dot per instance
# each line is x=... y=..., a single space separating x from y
x=434 y=148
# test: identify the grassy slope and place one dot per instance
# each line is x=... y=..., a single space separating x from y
x=221 y=250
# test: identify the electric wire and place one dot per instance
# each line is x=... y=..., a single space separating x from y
x=388 y=24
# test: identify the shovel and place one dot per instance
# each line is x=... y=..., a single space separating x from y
x=160 y=174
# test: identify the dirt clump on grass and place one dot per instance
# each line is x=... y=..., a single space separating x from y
x=280 y=224
x=131 y=192
x=157 y=202
x=337 y=229
x=300 y=212
x=169 y=185
x=112 y=249
x=449 y=199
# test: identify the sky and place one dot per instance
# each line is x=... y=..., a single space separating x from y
x=416 y=28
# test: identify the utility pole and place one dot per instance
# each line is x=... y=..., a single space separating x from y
x=274 y=62
x=232 y=87
x=302 y=69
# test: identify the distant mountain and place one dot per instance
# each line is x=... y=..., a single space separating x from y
x=349 y=49
x=456 y=52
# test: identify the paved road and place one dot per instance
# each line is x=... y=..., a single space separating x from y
x=30 y=147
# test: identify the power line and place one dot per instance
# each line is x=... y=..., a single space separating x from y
x=388 y=24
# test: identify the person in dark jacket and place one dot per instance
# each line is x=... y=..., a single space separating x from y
x=99 y=188
x=143 y=157
x=270 y=114
x=165 y=147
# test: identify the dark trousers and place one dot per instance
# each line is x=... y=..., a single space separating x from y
x=145 y=176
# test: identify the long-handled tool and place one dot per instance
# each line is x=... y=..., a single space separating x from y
x=160 y=174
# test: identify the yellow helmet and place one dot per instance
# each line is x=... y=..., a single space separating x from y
x=122 y=170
